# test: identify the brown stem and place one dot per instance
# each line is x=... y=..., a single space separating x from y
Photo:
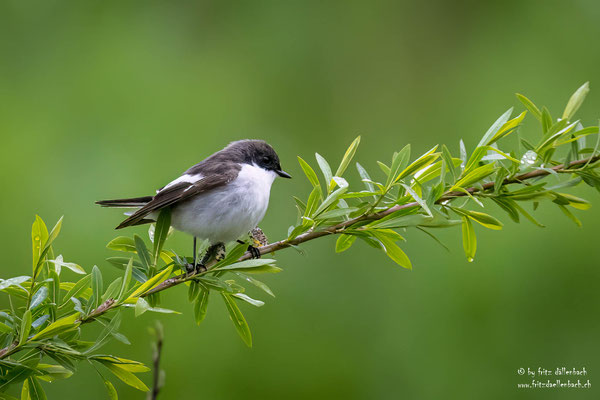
x=305 y=237
x=156 y=384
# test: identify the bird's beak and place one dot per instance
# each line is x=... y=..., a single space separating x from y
x=283 y=174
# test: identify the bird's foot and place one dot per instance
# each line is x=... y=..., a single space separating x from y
x=200 y=268
x=192 y=269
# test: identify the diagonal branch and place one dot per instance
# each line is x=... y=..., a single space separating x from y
x=305 y=237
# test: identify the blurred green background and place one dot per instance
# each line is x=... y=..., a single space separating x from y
x=109 y=99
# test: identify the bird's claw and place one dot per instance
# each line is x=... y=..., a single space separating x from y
x=192 y=269
x=254 y=252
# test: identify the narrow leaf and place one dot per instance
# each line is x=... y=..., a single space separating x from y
x=238 y=319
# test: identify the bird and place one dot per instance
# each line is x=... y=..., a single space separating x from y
x=219 y=199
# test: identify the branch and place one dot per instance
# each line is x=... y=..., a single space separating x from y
x=335 y=229
x=156 y=371
x=305 y=237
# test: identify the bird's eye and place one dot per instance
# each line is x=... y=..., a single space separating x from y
x=266 y=159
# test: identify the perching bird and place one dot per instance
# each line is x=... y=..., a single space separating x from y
x=220 y=199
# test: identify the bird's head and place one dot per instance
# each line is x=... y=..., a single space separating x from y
x=259 y=153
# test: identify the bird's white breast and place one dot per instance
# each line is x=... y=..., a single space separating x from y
x=226 y=213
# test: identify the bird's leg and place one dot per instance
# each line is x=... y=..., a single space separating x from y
x=254 y=251
x=192 y=267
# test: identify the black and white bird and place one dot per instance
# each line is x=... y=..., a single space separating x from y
x=219 y=199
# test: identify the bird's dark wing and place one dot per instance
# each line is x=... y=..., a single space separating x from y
x=177 y=193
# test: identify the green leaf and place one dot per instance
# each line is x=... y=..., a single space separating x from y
x=264 y=265
x=122 y=243
x=435 y=238
x=25 y=327
x=569 y=214
x=482 y=218
x=152 y=282
x=112 y=392
x=112 y=292
x=193 y=290
x=474 y=176
x=309 y=172
x=59 y=326
x=161 y=231
x=399 y=163
x=143 y=252
x=38 y=297
x=392 y=250
x=256 y=283
x=141 y=306
x=326 y=169
x=575 y=101
x=525 y=213
x=433 y=170
x=313 y=201
x=4 y=284
x=419 y=200
x=126 y=280
x=54 y=233
x=400 y=221
x=201 y=305
x=576 y=202
x=238 y=319
x=421 y=162
x=125 y=376
x=364 y=175
x=546 y=120
x=59 y=263
x=463 y=154
x=249 y=300
x=336 y=213
x=97 y=286
x=495 y=127
x=25 y=395
x=17 y=373
x=53 y=372
x=512 y=212
x=128 y=365
x=507 y=128
x=108 y=331
x=447 y=156
x=39 y=237
x=344 y=242
x=530 y=106
x=474 y=160
x=386 y=170
x=77 y=289
x=331 y=199
x=551 y=137
x=216 y=283
x=347 y=157
x=36 y=391
x=469 y=239
x=5 y=328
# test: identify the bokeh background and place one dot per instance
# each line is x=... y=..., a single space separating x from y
x=112 y=98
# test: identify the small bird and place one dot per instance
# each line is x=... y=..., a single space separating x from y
x=219 y=199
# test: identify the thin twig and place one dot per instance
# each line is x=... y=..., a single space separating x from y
x=156 y=378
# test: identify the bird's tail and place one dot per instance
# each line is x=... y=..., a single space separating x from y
x=125 y=203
